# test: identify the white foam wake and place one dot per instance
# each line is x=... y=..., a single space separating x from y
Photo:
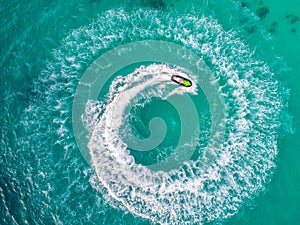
x=241 y=166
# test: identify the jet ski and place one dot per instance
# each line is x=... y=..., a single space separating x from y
x=181 y=80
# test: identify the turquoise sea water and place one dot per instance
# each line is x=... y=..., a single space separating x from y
x=250 y=50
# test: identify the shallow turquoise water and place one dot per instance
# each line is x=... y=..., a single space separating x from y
x=46 y=48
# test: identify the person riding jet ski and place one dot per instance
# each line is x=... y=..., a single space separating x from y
x=181 y=80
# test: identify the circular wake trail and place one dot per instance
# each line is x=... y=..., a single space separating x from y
x=210 y=187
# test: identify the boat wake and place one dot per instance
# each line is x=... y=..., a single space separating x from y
x=161 y=151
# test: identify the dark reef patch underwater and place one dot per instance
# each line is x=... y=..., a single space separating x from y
x=93 y=130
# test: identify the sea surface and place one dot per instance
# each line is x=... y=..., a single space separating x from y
x=93 y=130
